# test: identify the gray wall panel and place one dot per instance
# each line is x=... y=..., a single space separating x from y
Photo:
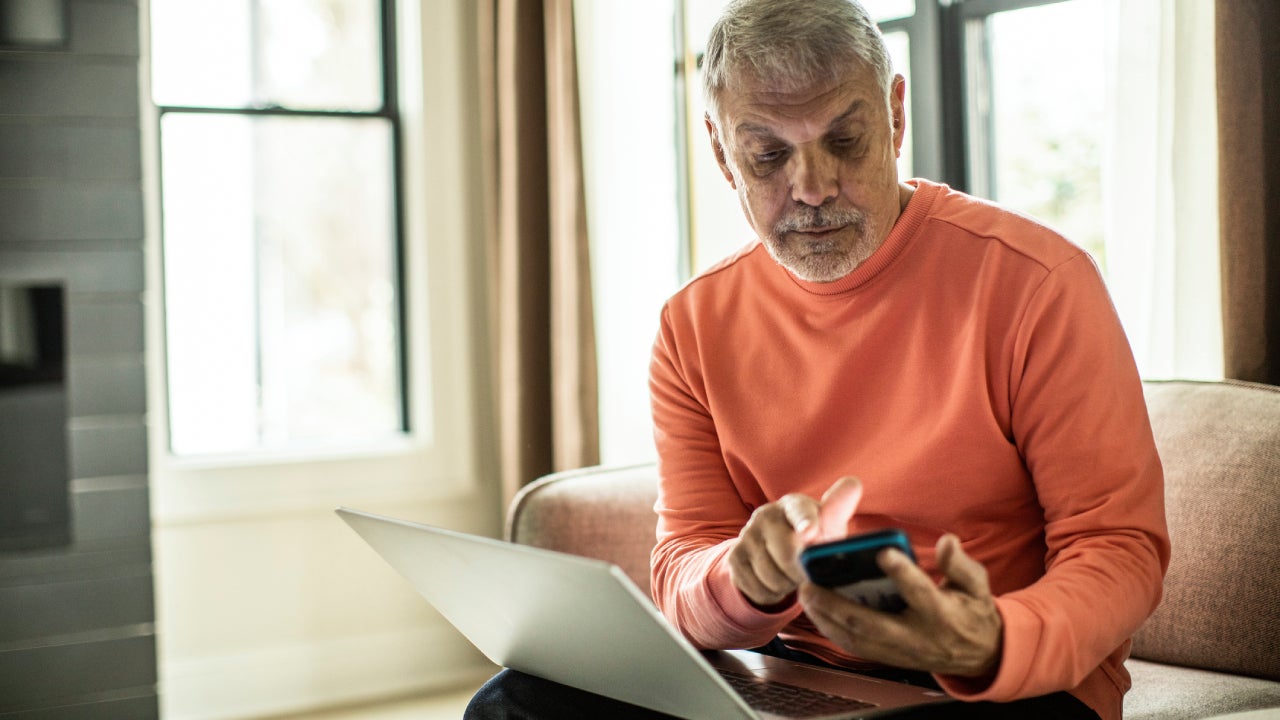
x=111 y=386
x=110 y=514
x=49 y=610
x=33 y=677
x=60 y=86
x=95 y=707
x=80 y=560
x=105 y=324
x=82 y=211
x=76 y=622
x=85 y=150
x=103 y=28
x=85 y=271
x=102 y=449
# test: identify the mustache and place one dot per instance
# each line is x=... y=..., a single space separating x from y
x=815 y=218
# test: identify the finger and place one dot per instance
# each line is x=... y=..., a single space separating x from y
x=784 y=554
x=836 y=617
x=778 y=560
x=959 y=569
x=919 y=591
x=839 y=504
x=756 y=576
x=864 y=632
x=801 y=512
x=764 y=562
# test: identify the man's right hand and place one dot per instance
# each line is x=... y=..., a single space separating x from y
x=765 y=564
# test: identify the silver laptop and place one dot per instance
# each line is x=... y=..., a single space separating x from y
x=583 y=623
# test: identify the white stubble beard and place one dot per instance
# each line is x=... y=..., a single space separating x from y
x=811 y=261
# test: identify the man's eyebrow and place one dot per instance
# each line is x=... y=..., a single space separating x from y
x=855 y=109
x=761 y=131
x=765 y=132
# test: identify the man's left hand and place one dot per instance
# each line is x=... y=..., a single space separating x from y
x=951 y=629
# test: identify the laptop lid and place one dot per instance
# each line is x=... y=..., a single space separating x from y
x=578 y=621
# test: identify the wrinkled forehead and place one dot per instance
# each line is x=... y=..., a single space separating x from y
x=794 y=125
x=760 y=107
x=796 y=91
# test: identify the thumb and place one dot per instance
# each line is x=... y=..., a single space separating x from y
x=838 y=505
x=959 y=569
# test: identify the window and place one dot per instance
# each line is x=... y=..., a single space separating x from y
x=1096 y=117
x=1035 y=124
x=279 y=176
x=315 y=340
x=1005 y=100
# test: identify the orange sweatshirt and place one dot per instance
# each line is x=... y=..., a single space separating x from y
x=974 y=375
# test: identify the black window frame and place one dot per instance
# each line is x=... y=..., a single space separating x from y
x=940 y=52
x=939 y=40
x=390 y=112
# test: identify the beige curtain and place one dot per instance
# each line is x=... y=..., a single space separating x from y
x=539 y=270
x=1248 y=61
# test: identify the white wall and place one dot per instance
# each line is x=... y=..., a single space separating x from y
x=288 y=612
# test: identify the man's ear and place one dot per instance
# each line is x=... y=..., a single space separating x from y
x=898 y=111
x=718 y=148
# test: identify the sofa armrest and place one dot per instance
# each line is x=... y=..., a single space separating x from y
x=599 y=512
x=1220 y=446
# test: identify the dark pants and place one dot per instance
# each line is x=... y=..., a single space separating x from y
x=512 y=695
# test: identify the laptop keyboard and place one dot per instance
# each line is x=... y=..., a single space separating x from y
x=788 y=700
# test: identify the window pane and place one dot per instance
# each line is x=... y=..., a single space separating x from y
x=300 y=54
x=1047 y=111
x=280 y=281
x=882 y=10
x=717 y=224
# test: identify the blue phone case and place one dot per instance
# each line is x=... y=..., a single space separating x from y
x=849 y=567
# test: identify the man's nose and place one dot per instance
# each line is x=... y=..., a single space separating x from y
x=814 y=177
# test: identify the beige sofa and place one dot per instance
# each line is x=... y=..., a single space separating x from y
x=1213 y=646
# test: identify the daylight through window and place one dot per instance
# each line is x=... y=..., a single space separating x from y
x=278 y=164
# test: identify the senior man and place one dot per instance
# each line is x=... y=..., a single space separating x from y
x=890 y=354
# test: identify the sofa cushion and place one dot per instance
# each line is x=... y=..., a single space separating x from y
x=1166 y=692
x=1220 y=445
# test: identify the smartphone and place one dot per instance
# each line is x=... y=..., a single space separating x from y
x=849 y=567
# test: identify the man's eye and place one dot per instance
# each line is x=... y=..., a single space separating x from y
x=769 y=157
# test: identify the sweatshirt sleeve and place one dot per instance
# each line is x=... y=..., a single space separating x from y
x=700 y=513
x=1080 y=422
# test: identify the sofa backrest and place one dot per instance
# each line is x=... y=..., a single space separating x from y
x=1220 y=446
x=604 y=513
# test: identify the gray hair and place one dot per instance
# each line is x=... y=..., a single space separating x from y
x=791 y=44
